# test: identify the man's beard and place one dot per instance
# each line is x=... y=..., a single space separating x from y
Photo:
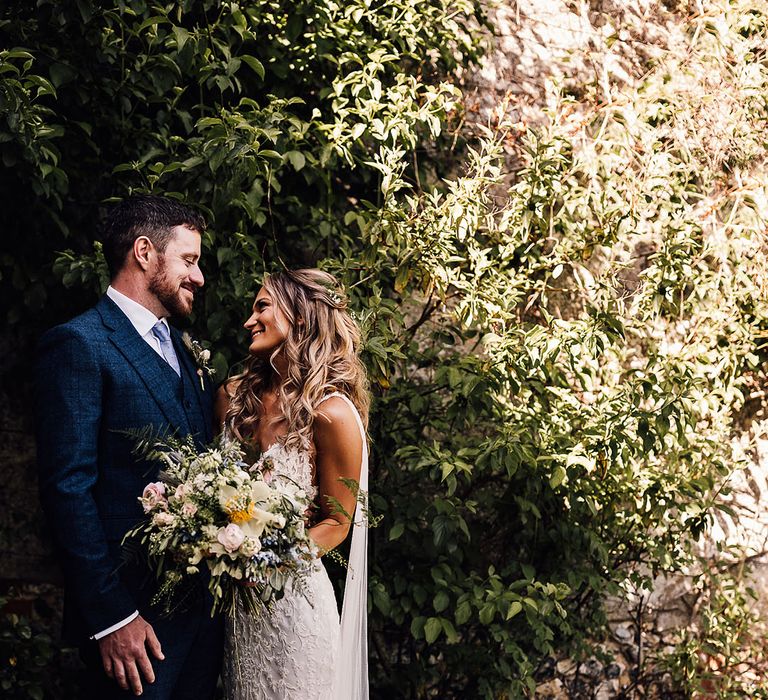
x=166 y=293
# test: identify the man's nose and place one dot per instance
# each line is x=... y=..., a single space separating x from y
x=196 y=276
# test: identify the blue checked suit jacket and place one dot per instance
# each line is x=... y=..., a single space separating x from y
x=96 y=377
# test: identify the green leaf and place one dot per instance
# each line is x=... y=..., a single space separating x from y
x=381 y=598
x=181 y=35
x=450 y=631
x=486 y=613
x=297 y=159
x=61 y=74
x=558 y=476
x=255 y=64
x=463 y=612
x=417 y=626
x=152 y=21
x=432 y=629
x=396 y=531
x=440 y=601
x=16 y=53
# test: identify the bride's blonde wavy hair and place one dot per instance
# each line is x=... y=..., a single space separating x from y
x=321 y=350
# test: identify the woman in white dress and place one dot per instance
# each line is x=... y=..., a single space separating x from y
x=301 y=405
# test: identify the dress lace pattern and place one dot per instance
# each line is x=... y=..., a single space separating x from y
x=288 y=652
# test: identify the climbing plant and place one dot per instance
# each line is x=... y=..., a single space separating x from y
x=557 y=364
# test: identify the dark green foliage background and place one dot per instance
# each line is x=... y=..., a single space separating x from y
x=314 y=133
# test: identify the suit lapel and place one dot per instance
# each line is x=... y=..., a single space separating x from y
x=188 y=365
x=142 y=358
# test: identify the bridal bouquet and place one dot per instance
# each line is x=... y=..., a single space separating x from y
x=208 y=512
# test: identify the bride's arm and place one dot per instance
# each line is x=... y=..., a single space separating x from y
x=339 y=454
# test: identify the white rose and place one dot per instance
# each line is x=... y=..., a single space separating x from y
x=231 y=537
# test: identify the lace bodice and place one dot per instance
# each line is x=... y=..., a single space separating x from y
x=291 y=463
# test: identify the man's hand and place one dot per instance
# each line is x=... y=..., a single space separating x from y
x=124 y=654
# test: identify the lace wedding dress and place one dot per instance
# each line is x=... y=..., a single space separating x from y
x=299 y=649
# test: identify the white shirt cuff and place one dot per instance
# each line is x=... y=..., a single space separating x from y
x=117 y=626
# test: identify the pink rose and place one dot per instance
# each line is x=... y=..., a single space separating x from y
x=163 y=519
x=153 y=496
x=188 y=509
x=230 y=537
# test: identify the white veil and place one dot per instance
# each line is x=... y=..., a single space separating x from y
x=351 y=676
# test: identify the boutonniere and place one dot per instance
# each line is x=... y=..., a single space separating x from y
x=201 y=356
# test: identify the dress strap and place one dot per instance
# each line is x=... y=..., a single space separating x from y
x=351 y=676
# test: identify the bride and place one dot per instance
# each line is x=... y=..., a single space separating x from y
x=301 y=404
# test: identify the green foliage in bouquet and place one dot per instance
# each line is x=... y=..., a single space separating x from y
x=560 y=363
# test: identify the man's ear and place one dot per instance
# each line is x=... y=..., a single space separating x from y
x=144 y=252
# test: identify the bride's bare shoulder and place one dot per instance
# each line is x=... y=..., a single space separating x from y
x=335 y=421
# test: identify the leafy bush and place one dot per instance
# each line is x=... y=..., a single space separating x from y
x=557 y=363
x=27 y=657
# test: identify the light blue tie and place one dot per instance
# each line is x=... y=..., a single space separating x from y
x=161 y=332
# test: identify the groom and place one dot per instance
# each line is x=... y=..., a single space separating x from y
x=119 y=367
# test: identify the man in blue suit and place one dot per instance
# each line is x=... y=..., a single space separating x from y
x=120 y=367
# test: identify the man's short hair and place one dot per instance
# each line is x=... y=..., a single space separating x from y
x=144 y=215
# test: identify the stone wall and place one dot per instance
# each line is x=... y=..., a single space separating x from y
x=544 y=50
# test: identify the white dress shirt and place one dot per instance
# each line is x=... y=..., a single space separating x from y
x=143 y=320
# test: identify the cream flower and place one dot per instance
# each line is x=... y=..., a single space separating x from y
x=254 y=528
x=250 y=546
x=260 y=491
x=228 y=495
x=231 y=537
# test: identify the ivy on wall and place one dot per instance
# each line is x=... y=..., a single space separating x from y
x=557 y=364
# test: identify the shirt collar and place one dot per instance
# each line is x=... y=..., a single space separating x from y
x=140 y=316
